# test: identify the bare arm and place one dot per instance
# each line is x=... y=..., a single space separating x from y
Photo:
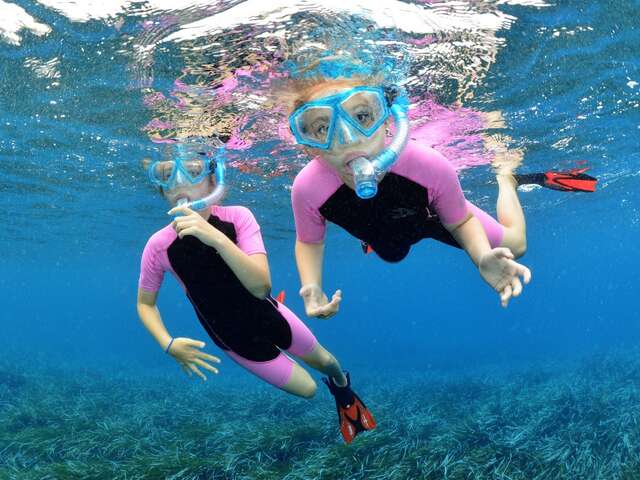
x=150 y=317
x=309 y=259
x=471 y=236
x=186 y=351
x=252 y=270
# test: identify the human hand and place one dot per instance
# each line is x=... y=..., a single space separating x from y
x=187 y=353
x=192 y=223
x=500 y=271
x=316 y=303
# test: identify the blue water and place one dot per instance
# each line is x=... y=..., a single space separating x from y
x=76 y=212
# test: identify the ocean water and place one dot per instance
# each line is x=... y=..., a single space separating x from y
x=461 y=388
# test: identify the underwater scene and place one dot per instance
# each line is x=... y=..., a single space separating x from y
x=291 y=239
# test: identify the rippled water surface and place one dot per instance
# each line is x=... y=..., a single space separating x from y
x=86 y=85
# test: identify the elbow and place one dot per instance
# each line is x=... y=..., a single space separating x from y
x=261 y=291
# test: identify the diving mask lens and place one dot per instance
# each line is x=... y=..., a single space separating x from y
x=168 y=174
x=312 y=126
x=366 y=110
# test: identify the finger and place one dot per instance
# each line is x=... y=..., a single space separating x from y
x=187 y=231
x=525 y=273
x=332 y=307
x=197 y=371
x=206 y=356
x=326 y=315
x=516 y=286
x=503 y=252
x=315 y=312
x=205 y=365
x=184 y=210
x=195 y=343
x=184 y=222
x=505 y=295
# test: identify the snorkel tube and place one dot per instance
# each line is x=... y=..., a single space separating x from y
x=366 y=173
x=219 y=190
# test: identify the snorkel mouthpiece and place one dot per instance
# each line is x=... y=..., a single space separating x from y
x=366 y=173
x=364 y=177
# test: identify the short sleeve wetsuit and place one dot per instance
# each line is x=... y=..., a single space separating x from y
x=252 y=331
x=416 y=198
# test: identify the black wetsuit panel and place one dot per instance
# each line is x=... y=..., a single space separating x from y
x=233 y=318
x=392 y=221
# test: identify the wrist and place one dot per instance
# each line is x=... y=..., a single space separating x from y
x=167 y=348
x=216 y=239
x=310 y=289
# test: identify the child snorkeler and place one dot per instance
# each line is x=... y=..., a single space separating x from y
x=392 y=194
x=217 y=254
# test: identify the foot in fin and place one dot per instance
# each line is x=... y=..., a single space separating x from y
x=353 y=414
x=575 y=180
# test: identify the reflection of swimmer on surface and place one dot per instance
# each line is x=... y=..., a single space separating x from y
x=217 y=254
x=419 y=197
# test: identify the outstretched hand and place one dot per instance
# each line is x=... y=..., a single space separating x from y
x=316 y=303
x=500 y=271
x=188 y=354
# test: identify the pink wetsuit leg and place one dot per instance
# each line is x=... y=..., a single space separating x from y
x=278 y=371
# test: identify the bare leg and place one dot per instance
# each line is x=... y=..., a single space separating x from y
x=322 y=360
x=300 y=383
x=510 y=214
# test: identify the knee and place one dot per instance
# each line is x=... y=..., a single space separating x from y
x=308 y=390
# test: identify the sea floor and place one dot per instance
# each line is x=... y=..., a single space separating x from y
x=577 y=420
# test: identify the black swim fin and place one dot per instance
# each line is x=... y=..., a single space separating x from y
x=575 y=180
x=353 y=414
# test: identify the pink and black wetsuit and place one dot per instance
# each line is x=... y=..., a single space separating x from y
x=416 y=198
x=252 y=331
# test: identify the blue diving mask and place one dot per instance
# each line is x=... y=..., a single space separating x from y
x=190 y=166
x=344 y=116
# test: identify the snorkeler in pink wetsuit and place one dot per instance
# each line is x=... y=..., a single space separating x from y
x=217 y=255
x=419 y=194
x=342 y=123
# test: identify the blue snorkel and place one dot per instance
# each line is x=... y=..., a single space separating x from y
x=366 y=172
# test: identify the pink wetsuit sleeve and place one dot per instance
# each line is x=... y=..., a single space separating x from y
x=151 y=269
x=311 y=188
x=448 y=199
x=248 y=236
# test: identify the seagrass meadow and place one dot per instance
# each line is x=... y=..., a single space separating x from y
x=543 y=421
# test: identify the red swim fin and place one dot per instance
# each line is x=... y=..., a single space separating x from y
x=575 y=180
x=353 y=414
x=366 y=248
x=280 y=297
x=354 y=419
